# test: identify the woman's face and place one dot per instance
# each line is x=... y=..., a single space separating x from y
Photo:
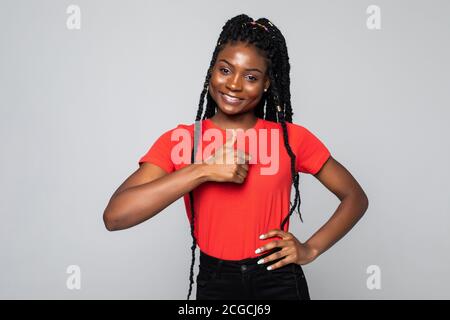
x=239 y=72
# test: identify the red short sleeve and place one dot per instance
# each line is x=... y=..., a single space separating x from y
x=311 y=152
x=159 y=153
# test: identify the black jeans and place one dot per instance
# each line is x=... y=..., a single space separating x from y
x=246 y=280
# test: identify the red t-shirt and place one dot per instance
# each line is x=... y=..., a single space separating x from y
x=230 y=217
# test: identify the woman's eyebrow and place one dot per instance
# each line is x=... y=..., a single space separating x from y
x=253 y=69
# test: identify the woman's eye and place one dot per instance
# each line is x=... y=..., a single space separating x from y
x=225 y=71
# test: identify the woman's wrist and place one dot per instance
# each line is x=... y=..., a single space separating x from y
x=203 y=172
x=313 y=252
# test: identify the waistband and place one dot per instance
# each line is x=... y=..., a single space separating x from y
x=238 y=266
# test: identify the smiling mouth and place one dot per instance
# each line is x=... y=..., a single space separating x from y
x=230 y=99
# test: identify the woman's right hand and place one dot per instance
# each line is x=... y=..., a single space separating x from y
x=227 y=164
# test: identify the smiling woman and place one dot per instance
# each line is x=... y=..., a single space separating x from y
x=238 y=81
x=239 y=217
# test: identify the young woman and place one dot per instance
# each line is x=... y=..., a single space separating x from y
x=240 y=193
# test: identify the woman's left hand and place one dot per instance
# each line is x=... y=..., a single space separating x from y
x=292 y=250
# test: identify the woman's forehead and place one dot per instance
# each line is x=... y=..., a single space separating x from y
x=244 y=55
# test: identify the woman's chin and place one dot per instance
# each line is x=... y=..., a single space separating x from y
x=230 y=110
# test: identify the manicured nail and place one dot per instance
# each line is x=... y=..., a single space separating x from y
x=260 y=261
x=262 y=236
x=258 y=250
x=269 y=268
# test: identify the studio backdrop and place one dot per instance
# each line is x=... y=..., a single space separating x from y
x=86 y=87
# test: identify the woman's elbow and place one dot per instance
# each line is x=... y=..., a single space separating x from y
x=109 y=221
x=364 y=200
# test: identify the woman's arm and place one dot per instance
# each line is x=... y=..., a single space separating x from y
x=151 y=189
x=148 y=191
x=354 y=203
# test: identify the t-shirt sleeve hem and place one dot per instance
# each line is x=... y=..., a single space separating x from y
x=160 y=164
x=320 y=162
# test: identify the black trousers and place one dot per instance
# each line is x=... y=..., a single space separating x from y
x=246 y=280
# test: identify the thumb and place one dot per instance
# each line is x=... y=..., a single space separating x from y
x=231 y=139
x=243 y=157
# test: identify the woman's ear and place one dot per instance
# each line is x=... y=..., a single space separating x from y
x=266 y=84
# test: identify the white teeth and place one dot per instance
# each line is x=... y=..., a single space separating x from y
x=230 y=98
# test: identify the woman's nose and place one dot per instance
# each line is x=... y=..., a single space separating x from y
x=235 y=84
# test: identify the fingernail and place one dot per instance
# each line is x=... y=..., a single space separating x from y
x=262 y=236
x=269 y=268
x=260 y=261
x=258 y=250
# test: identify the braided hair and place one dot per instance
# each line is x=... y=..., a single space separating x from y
x=275 y=103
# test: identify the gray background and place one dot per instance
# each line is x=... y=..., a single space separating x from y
x=80 y=107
